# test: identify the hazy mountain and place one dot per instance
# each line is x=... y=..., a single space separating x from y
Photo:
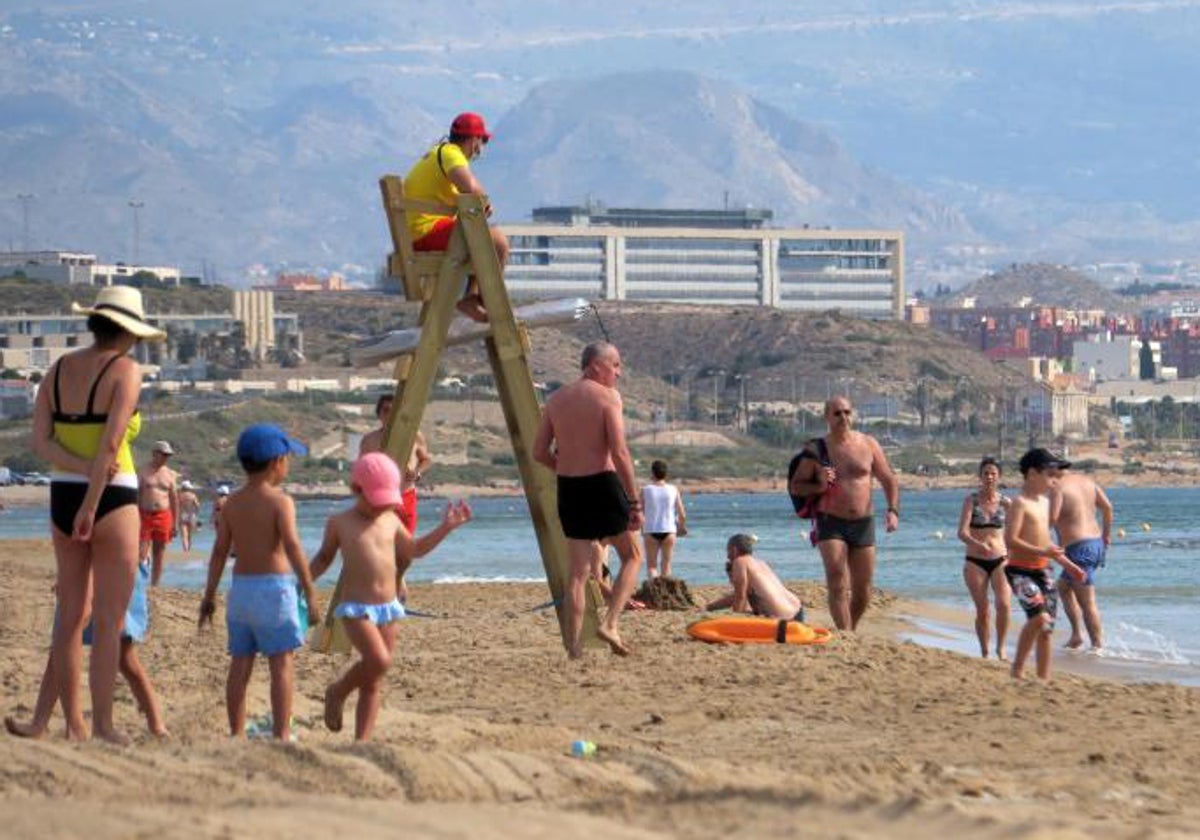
x=254 y=132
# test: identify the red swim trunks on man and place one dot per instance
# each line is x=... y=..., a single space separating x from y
x=408 y=509
x=438 y=237
x=156 y=526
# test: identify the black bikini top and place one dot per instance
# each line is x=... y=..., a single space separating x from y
x=979 y=519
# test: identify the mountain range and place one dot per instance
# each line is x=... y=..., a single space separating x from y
x=251 y=138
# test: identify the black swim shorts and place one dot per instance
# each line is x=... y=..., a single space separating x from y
x=855 y=533
x=592 y=507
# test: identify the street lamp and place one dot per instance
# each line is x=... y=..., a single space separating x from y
x=136 y=206
x=25 y=199
x=716 y=376
x=745 y=409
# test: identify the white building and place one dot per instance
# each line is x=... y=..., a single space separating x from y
x=79 y=268
x=1103 y=357
x=860 y=272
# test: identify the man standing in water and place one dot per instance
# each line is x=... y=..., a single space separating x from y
x=1074 y=502
x=845 y=521
x=582 y=438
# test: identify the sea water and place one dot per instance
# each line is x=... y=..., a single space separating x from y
x=1148 y=591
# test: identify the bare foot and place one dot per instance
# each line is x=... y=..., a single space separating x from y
x=114 y=737
x=1074 y=643
x=333 y=712
x=23 y=730
x=1002 y=656
x=614 y=641
x=472 y=307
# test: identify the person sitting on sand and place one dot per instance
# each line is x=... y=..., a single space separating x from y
x=263 y=611
x=1029 y=554
x=981 y=528
x=756 y=587
x=370 y=535
x=137 y=621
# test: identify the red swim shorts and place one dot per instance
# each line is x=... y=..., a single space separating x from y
x=408 y=509
x=156 y=525
x=438 y=238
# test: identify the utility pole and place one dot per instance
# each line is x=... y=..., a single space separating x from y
x=136 y=206
x=26 y=199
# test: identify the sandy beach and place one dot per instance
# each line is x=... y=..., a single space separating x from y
x=864 y=737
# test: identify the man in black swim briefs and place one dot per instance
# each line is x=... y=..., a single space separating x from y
x=582 y=438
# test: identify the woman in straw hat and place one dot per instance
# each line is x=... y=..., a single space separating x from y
x=84 y=420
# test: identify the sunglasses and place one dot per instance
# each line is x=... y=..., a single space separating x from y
x=842 y=412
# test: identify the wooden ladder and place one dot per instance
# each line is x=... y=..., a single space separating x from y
x=436 y=278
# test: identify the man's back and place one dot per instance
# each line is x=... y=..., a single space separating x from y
x=1075 y=509
x=581 y=414
x=254 y=516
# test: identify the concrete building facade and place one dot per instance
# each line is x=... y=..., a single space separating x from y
x=860 y=272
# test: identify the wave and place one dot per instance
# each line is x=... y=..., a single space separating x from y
x=461 y=578
x=1130 y=643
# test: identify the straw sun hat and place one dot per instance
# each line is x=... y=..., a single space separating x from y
x=123 y=306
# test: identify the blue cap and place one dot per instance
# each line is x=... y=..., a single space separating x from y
x=264 y=442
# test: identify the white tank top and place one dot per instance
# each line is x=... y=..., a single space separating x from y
x=658 y=505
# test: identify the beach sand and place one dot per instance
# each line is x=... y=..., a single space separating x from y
x=865 y=737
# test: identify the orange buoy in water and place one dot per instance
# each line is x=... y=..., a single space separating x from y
x=749 y=629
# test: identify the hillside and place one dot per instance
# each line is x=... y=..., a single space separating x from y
x=1045 y=285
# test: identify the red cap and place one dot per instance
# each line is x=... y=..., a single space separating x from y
x=469 y=124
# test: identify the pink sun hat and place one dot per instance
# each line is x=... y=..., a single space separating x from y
x=378 y=479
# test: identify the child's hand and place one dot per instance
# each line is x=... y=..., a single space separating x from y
x=457 y=513
x=1074 y=571
x=314 y=613
x=207 y=608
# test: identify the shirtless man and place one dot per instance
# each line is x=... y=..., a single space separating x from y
x=1073 y=505
x=418 y=462
x=845 y=522
x=1030 y=551
x=189 y=513
x=582 y=438
x=158 y=505
x=756 y=587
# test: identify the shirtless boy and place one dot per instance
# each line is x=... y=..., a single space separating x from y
x=419 y=460
x=846 y=521
x=370 y=537
x=1030 y=552
x=263 y=611
x=582 y=438
x=756 y=587
x=158 y=506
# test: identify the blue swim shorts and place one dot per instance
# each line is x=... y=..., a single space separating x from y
x=379 y=614
x=137 y=616
x=1087 y=555
x=263 y=615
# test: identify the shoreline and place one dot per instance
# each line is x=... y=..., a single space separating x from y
x=29 y=496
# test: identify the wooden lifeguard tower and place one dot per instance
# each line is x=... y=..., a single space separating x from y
x=435 y=278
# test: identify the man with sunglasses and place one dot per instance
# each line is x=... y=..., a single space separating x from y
x=442 y=174
x=845 y=519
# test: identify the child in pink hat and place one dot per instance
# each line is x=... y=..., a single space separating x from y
x=370 y=536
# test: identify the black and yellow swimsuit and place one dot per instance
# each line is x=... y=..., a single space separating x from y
x=80 y=434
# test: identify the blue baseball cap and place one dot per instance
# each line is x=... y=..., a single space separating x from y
x=264 y=442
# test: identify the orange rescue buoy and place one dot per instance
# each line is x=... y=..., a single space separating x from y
x=749 y=629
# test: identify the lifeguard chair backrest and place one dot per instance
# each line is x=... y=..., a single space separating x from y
x=416 y=270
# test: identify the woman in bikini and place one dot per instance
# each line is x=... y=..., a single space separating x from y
x=84 y=420
x=665 y=518
x=981 y=528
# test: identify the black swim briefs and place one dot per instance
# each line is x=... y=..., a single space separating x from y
x=592 y=507
x=855 y=533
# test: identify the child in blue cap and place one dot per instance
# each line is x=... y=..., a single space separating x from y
x=262 y=613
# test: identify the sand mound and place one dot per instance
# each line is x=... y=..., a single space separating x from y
x=666 y=593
